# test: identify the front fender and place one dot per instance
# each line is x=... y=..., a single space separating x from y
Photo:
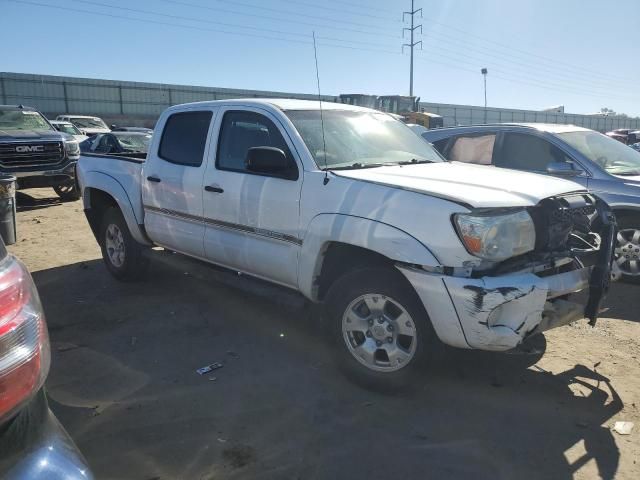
x=376 y=236
x=131 y=210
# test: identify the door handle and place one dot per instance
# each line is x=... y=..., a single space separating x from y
x=211 y=188
x=154 y=179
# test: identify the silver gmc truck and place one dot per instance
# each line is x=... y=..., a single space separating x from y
x=34 y=152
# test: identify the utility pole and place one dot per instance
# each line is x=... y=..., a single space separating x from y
x=412 y=44
x=484 y=72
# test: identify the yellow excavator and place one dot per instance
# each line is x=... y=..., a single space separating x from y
x=404 y=108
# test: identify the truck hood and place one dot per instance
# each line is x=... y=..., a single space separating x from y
x=26 y=135
x=475 y=185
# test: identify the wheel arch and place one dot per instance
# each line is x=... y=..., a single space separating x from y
x=337 y=243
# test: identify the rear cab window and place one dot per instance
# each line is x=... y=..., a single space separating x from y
x=184 y=138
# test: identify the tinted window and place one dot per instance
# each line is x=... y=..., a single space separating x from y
x=528 y=152
x=477 y=149
x=242 y=131
x=441 y=144
x=184 y=138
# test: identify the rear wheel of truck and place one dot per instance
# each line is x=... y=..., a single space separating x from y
x=68 y=192
x=123 y=256
x=381 y=330
x=627 y=250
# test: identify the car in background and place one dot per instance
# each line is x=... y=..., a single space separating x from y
x=115 y=128
x=86 y=124
x=33 y=444
x=605 y=166
x=636 y=146
x=69 y=128
x=628 y=136
x=116 y=143
x=34 y=152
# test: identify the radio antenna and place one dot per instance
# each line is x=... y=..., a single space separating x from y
x=324 y=143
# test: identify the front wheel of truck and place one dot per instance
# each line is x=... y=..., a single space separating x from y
x=68 y=192
x=381 y=330
x=123 y=256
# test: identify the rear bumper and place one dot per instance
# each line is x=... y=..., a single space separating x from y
x=498 y=313
x=37 y=447
x=47 y=178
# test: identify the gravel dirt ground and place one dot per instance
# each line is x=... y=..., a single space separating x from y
x=123 y=381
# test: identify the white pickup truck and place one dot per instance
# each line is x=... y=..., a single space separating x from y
x=352 y=209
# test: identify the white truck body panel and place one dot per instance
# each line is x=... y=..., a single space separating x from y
x=279 y=229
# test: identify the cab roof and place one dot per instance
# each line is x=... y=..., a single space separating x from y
x=281 y=104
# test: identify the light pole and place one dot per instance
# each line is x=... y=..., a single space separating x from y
x=484 y=72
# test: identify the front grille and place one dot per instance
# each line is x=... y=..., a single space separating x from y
x=25 y=156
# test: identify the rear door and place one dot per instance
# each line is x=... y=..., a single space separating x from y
x=252 y=219
x=172 y=181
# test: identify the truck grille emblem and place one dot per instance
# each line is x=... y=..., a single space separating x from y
x=29 y=148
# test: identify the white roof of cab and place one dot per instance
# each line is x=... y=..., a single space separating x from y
x=281 y=103
x=554 y=127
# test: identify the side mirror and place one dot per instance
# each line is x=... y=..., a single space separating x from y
x=113 y=126
x=563 y=169
x=271 y=161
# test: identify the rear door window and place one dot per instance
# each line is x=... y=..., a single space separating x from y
x=473 y=149
x=522 y=151
x=184 y=138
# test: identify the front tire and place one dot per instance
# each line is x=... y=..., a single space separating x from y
x=68 y=192
x=381 y=331
x=122 y=255
x=627 y=250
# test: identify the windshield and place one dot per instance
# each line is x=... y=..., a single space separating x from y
x=22 y=120
x=615 y=157
x=82 y=122
x=68 y=128
x=359 y=139
x=134 y=143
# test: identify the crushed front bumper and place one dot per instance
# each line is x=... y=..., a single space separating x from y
x=498 y=313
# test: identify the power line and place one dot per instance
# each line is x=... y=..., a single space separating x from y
x=554 y=62
x=278 y=19
x=286 y=12
x=201 y=20
x=360 y=5
x=342 y=11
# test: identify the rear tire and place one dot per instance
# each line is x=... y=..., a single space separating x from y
x=380 y=329
x=68 y=192
x=122 y=255
x=628 y=247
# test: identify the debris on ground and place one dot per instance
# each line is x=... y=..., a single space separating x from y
x=222 y=440
x=134 y=340
x=209 y=368
x=232 y=354
x=239 y=456
x=65 y=347
x=213 y=379
x=623 y=428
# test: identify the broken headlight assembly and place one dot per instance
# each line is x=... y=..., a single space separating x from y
x=496 y=236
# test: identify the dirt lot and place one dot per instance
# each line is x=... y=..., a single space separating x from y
x=123 y=381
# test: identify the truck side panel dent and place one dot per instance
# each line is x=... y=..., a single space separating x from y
x=103 y=182
x=378 y=237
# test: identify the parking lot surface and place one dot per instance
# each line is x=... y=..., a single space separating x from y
x=123 y=381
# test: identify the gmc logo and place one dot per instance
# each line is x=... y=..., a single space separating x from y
x=30 y=148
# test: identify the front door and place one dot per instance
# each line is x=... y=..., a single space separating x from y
x=172 y=181
x=251 y=219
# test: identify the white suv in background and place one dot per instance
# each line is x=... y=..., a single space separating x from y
x=88 y=125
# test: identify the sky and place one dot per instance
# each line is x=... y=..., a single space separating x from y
x=539 y=53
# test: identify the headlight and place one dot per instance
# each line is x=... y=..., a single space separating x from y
x=496 y=237
x=73 y=148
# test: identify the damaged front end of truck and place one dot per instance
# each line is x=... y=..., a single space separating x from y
x=563 y=275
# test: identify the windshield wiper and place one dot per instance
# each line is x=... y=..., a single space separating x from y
x=414 y=161
x=358 y=165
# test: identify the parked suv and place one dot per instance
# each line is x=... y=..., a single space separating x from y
x=605 y=166
x=32 y=150
x=33 y=444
